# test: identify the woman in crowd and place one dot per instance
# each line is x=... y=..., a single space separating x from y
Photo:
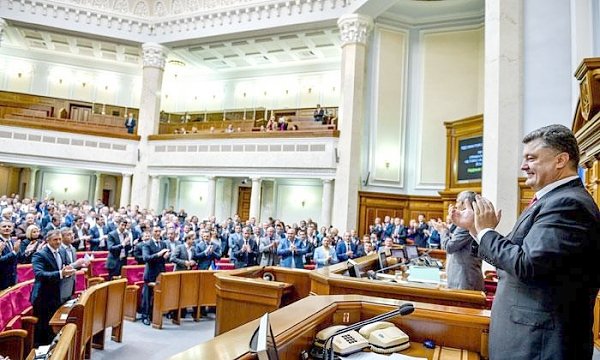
x=32 y=243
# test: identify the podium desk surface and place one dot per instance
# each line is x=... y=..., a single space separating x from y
x=295 y=326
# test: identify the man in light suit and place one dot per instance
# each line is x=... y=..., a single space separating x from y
x=547 y=265
x=185 y=254
x=291 y=251
x=118 y=244
x=207 y=251
x=67 y=285
x=268 y=248
x=50 y=268
x=463 y=269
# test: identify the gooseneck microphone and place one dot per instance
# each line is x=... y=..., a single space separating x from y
x=402 y=310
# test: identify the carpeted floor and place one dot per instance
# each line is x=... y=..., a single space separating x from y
x=141 y=342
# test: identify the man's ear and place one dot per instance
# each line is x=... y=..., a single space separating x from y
x=562 y=160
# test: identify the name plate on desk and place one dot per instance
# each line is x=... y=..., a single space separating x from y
x=424 y=274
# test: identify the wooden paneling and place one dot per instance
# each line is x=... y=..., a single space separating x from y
x=372 y=205
x=295 y=326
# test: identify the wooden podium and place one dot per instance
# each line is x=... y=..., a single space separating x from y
x=456 y=331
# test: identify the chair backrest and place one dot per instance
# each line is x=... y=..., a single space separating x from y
x=96 y=254
x=169 y=267
x=25 y=272
x=131 y=260
x=20 y=296
x=7 y=310
x=65 y=347
x=98 y=267
x=133 y=273
x=80 y=281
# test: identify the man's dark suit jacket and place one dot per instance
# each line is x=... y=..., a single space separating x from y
x=45 y=295
x=8 y=268
x=203 y=259
x=113 y=260
x=244 y=259
x=548 y=278
x=155 y=264
x=95 y=240
x=180 y=256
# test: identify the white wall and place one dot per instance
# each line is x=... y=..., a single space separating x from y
x=192 y=197
x=65 y=186
x=547 y=68
x=298 y=200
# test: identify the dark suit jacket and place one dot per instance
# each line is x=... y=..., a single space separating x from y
x=155 y=264
x=244 y=259
x=340 y=250
x=204 y=259
x=548 y=278
x=95 y=240
x=76 y=239
x=8 y=268
x=113 y=243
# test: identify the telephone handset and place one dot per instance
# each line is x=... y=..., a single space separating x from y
x=385 y=337
x=343 y=344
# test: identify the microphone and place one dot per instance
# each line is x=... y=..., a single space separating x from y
x=402 y=310
x=372 y=274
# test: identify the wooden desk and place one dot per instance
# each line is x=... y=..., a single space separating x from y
x=296 y=325
x=59 y=319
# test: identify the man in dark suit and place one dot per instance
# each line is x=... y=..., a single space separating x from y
x=398 y=233
x=245 y=250
x=207 y=251
x=9 y=255
x=118 y=244
x=50 y=268
x=130 y=123
x=99 y=235
x=548 y=277
x=53 y=224
x=155 y=254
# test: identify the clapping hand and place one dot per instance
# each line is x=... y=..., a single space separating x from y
x=67 y=271
x=485 y=216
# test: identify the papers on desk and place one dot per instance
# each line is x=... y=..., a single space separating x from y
x=375 y=356
x=64 y=316
x=70 y=303
x=424 y=274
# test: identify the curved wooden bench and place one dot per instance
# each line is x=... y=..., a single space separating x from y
x=65 y=347
x=16 y=323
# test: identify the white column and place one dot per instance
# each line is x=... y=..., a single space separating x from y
x=211 y=195
x=503 y=106
x=152 y=75
x=99 y=186
x=31 y=185
x=326 y=202
x=3 y=26
x=125 y=190
x=154 y=193
x=354 y=30
x=255 y=198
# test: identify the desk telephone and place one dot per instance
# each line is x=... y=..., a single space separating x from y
x=383 y=337
x=428 y=261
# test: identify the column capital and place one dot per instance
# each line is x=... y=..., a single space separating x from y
x=354 y=28
x=154 y=55
x=3 y=26
x=256 y=179
x=327 y=180
x=211 y=178
x=126 y=174
x=155 y=177
x=34 y=169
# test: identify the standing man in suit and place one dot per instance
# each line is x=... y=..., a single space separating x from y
x=50 y=268
x=118 y=244
x=207 y=251
x=9 y=255
x=462 y=268
x=398 y=233
x=67 y=285
x=345 y=249
x=291 y=251
x=547 y=273
x=99 y=235
x=130 y=123
x=155 y=254
x=268 y=248
x=185 y=254
x=245 y=250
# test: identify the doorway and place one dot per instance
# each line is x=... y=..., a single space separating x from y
x=243 y=207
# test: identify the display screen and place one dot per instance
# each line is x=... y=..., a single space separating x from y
x=470 y=158
x=411 y=251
